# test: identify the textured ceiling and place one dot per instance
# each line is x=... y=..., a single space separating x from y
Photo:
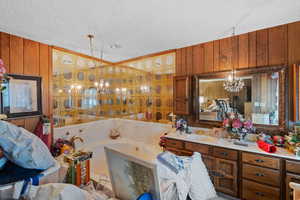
x=139 y=26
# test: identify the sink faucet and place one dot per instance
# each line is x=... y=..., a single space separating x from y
x=73 y=139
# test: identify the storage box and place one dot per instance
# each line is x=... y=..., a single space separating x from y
x=79 y=170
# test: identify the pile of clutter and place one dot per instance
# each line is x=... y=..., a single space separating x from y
x=25 y=160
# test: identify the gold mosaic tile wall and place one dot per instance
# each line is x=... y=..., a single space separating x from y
x=86 y=90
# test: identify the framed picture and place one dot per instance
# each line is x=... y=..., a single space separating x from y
x=22 y=96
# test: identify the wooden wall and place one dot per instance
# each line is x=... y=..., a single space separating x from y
x=272 y=46
x=23 y=56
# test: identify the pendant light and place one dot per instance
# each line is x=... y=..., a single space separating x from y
x=233 y=84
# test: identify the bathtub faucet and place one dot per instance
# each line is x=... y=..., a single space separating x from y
x=73 y=139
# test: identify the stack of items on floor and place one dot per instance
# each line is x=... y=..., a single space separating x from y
x=24 y=160
x=181 y=177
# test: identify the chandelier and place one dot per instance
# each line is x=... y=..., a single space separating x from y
x=233 y=84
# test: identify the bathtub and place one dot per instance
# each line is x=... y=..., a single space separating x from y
x=134 y=134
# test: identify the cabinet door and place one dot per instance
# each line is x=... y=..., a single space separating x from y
x=226 y=178
x=209 y=162
x=182 y=95
x=291 y=178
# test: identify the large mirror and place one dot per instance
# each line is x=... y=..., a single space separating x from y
x=258 y=100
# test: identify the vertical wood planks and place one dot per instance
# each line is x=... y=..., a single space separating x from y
x=5 y=45
x=16 y=55
x=198 y=59
x=178 y=62
x=243 y=48
x=262 y=47
x=294 y=43
x=208 y=57
x=278 y=45
x=183 y=61
x=31 y=58
x=252 y=49
x=44 y=71
x=217 y=55
x=189 y=60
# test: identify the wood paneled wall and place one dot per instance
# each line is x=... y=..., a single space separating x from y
x=278 y=45
x=23 y=56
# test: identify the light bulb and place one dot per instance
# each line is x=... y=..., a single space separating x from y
x=96 y=84
x=230 y=77
x=79 y=87
x=107 y=84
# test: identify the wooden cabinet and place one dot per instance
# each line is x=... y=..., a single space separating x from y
x=221 y=163
x=291 y=178
x=260 y=160
x=225 y=178
x=249 y=176
x=225 y=153
x=261 y=177
x=182 y=99
x=261 y=174
x=292 y=175
x=201 y=148
x=256 y=191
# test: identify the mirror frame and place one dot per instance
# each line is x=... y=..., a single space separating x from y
x=283 y=96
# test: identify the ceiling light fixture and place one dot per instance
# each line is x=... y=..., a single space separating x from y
x=91 y=37
x=233 y=84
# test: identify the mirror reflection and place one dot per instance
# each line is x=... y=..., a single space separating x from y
x=257 y=100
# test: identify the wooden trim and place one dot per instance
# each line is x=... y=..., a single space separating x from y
x=80 y=54
x=146 y=56
x=283 y=84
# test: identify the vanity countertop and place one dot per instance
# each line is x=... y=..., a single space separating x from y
x=219 y=142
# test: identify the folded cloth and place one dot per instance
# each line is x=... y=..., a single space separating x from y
x=13 y=173
x=270 y=148
x=24 y=148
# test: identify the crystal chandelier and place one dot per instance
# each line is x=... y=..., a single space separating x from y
x=233 y=84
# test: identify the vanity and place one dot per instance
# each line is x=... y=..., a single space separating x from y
x=242 y=172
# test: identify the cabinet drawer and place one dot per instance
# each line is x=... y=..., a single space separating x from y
x=292 y=166
x=179 y=152
x=225 y=153
x=262 y=175
x=174 y=143
x=256 y=191
x=264 y=161
x=201 y=148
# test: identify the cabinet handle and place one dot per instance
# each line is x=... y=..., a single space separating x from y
x=259 y=174
x=259 y=161
x=224 y=153
x=260 y=194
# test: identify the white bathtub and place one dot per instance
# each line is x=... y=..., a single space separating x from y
x=135 y=134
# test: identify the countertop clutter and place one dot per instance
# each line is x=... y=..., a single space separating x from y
x=229 y=143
